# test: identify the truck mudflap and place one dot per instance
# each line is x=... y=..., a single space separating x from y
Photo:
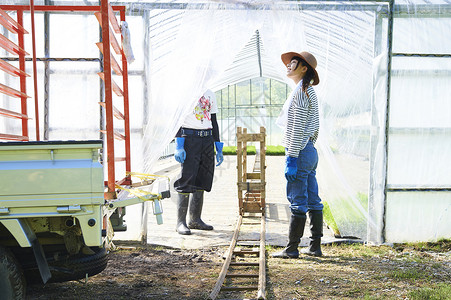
x=73 y=267
x=27 y=238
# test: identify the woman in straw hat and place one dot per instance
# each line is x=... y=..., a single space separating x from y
x=300 y=120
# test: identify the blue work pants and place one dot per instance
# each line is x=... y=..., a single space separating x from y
x=302 y=193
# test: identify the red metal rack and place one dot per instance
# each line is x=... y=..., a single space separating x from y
x=15 y=27
x=105 y=15
x=106 y=18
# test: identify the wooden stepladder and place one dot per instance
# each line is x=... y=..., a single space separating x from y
x=251 y=185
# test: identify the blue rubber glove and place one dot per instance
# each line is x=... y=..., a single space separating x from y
x=219 y=155
x=291 y=168
x=180 y=153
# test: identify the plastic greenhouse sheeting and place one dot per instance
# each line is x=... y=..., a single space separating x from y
x=385 y=179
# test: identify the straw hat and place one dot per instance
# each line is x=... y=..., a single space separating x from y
x=307 y=57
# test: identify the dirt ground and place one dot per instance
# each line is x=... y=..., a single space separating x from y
x=417 y=271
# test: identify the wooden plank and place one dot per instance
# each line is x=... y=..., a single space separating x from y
x=245 y=251
x=242 y=253
x=116 y=89
x=254 y=207
x=116 y=112
x=14 y=27
x=263 y=166
x=114 y=64
x=252 y=195
x=249 y=240
x=244 y=157
x=10 y=69
x=253 y=175
x=12 y=92
x=239 y=158
x=240 y=288
x=143 y=183
x=244 y=264
x=13 y=114
x=242 y=275
x=251 y=186
x=261 y=294
x=249 y=137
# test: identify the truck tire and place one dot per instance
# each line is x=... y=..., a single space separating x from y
x=72 y=267
x=12 y=281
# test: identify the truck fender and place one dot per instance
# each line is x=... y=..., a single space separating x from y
x=91 y=227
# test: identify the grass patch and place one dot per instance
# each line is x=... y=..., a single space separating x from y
x=439 y=246
x=365 y=251
x=275 y=150
x=231 y=150
x=408 y=273
x=353 y=208
x=270 y=150
x=441 y=291
x=329 y=219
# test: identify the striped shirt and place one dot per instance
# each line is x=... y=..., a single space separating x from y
x=303 y=122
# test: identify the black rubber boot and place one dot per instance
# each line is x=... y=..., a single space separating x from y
x=182 y=209
x=316 y=230
x=295 y=233
x=195 y=210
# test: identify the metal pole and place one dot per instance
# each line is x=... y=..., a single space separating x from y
x=33 y=42
x=46 y=74
x=126 y=109
x=145 y=78
x=101 y=97
x=108 y=100
x=259 y=52
x=387 y=112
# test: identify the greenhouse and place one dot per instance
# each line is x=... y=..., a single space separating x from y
x=384 y=95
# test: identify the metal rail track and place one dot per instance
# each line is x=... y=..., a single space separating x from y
x=245 y=259
x=244 y=263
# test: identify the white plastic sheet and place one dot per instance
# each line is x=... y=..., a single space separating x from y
x=374 y=178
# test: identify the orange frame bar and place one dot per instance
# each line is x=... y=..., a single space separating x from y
x=10 y=23
x=126 y=109
x=111 y=192
x=68 y=8
x=11 y=70
x=23 y=80
x=35 y=72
